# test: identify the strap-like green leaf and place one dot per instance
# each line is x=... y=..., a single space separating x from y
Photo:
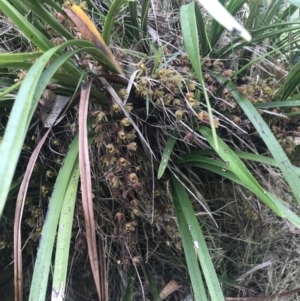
x=187 y=242
x=43 y=261
x=110 y=19
x=190 y=37
x=266 y=134
x=194 y=244
x=64 y=236
x=134 y=19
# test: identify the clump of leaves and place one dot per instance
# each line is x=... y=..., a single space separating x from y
x=150 y=134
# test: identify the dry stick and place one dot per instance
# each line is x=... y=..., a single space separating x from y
x=115 y=78
x=18 y=270
x=265 y=298
x=86 y=184
x=103 y=272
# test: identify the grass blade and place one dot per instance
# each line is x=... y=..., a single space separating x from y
x=43 y=261
x=236 y=166
x=130 y=286
x=18 y=57
x=144 y=17
x=110 y=19
x=64 y=236
x=241 y=155
x=151 y=285
x=274 y=203
x=278 y=104
x=205 y=44
x=10 y=89
x=190 y=36
x=166 y=156
x=195 y=243
x=18 y=123
x=189 y=251
x=31 y=33
x=233 y=169
x=291 y=82
x=48 y=18
x=134 y=19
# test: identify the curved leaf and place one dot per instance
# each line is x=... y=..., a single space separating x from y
x=43 y=261
x=64 y=236
x=190 y=37
x=194 y=244
x=266 y=134
x=110 y=19
x=90 y=32
x=219 y=13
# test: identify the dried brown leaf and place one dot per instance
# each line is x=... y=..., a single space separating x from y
x=90 y=32
x=170 y=288
x=18 y=270
x=86 y=184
